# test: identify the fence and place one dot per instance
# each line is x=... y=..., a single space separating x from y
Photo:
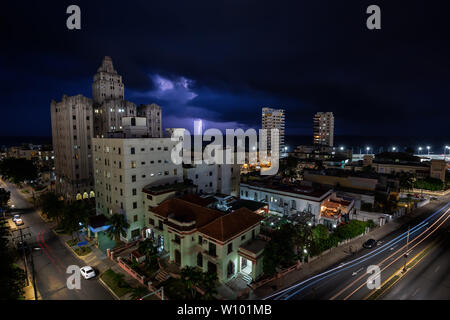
x=130 y=271
x=280 y=274
x=112 y=253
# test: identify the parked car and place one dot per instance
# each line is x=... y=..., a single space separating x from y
x=15 y=217
x=87 y=272
x=369 y=244
x=19 y=222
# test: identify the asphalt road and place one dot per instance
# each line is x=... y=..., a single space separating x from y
x=53 y=257
x=348 y=278
x=429 y=279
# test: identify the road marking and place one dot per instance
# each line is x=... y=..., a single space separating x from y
x=356 y=272
x=437 y=268
x=415 y=292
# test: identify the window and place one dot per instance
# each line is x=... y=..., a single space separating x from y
x=132 y=151
x=200 y=260
x=230 y=247
x=135 y=233
x=212 y=249
x=120 y=178
x=151 y=221
x=149 y=197
x=133 y=178
x=134 y=205
x=166 y=173
x=133 y=164
x=243 y=238
x=177 y=239
x=200 y=240
x=134 y=191
x=160 y=225
x=135 y=218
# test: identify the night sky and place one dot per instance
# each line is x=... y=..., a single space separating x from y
x=222 y=61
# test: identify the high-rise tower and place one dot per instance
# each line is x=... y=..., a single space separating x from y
x=324 y=128
x=107 y=83
x=273 y=119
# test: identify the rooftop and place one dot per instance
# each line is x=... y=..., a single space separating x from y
x=255 y=246
x=296 y=188
x=229 y=225
x=161 y=189
x=249 y=204
x=184 y=211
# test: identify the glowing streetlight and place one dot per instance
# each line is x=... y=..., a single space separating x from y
x=428 y=147
x=341 y=148
x=394 y=148
x=420 y=149
x=368 y=148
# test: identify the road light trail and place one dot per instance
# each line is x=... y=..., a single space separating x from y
x=399 y=257
x=47 y=253
x=354 y=262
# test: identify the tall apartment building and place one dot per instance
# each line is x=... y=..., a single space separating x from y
x=108 y=116
x=123 y=167
x=72 y=131
x=273 y=119
x=153 y=114
x=324 y=128
x=107 y=83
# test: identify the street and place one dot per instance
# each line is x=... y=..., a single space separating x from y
x=51 y=257
x=348 y=278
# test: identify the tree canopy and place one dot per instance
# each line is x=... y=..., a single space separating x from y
x=18 y=170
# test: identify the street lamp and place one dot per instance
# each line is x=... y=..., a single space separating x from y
x=368 y=148
x=394 y=148
x=341 y=148
x=428 y=147
x=420 y=149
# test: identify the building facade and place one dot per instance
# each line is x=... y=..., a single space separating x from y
x=123 y=167
x=273 y=119
x=196 y=236
x=323 y=128
x=153 y=113
x=72 y=131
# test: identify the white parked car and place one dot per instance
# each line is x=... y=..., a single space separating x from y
x=19 y=222
x=87 y=272
x=16 y=216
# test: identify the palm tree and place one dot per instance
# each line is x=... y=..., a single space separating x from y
x=148 y=249
x=138 y=292
x=191 y=277
x=209 y=285
x=118 y=227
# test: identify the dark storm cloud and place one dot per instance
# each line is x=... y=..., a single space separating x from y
x=305 y=56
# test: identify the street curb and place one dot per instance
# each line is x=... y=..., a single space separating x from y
x=107 y=287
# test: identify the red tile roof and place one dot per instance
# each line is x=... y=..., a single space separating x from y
x=230 y=225
x=185 y=211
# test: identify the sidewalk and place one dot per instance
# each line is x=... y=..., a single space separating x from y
x=335 y=255
x=101 y=262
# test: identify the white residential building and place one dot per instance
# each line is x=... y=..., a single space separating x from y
x=273 y=119
x=123 y=167
x=324 y=128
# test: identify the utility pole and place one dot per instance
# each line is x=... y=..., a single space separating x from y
x=24 y=255
x=24 y=244
x=33 y=275
x=406 y=253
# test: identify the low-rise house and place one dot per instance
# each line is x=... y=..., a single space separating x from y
x=195 y=235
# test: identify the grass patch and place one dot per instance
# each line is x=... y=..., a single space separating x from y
x=116 y=282
x=71 y=242
x=175 y=289
x=83 y=251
